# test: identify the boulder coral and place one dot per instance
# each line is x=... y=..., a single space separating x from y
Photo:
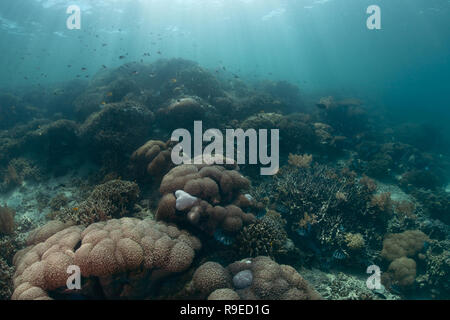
x=401 y=272
x=268 y=281
x=218 y=191
x=125 y=258
x=181 y=113
x=153 y=159
x=406 y=244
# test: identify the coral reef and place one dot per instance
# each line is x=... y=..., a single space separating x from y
x=125 y=258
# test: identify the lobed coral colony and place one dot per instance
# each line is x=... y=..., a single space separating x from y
x=92 y=184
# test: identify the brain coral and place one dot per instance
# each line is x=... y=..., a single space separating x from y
x=270 y=281
x=405 y=244
x=127 y=256
x=218 y=192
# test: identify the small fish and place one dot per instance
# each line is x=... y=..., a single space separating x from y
x=173 y=80
x=104 y=67
x=339 y=255
x=83 y=69
x=75 y=209
x=122 y=57
x=104 y=44
x=109 y=94
x=103 y=103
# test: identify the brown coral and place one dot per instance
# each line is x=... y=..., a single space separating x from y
x=269 y=281
x=300 y=161
x=143 y=251
x=406 y=244
x=113 y=199
x=218 y=192
x=6 y=220
x=153 y=159
x=401 y=272
x=210 y=277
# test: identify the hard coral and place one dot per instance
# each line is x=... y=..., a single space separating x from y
x=140 y=251
x=117 y=130
x=6 y=220
x=181 y=113
x=269 y=281
x=113 y=199
x=406 y=244
x=263 y=237
x=218 y=192
x=401 y=272
x=153 y=159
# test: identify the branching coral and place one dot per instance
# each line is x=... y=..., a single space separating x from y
x=124 y=257
x=259 y=278
x=264 y=237
x=218 y=193
x=355 y=242
x=113 y=199
x=300 y=161
x=6 y=220
x=6 y=283
x=327 y=202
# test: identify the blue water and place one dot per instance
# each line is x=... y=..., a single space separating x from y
x=323 y=46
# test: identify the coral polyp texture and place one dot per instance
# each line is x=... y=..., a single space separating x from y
x=113 y=199
x=258 y=278
x=205 y=196
x=152 y=160
x=123 y=258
